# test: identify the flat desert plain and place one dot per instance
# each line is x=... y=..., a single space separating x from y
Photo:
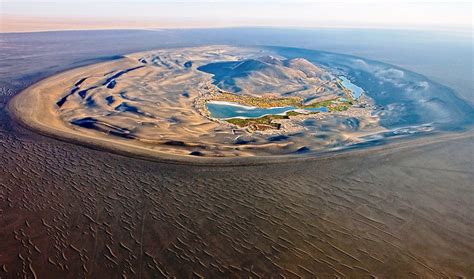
x=70 y=211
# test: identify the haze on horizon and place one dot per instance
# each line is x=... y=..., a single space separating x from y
x=40 y=15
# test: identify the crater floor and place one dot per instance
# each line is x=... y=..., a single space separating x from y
x=156 y=103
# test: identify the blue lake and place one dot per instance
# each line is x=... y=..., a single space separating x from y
x=356 y=90
x=226 y=110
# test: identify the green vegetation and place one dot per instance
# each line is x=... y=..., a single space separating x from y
x=266 y=122
x=321 y=104
x=292 y=113
x=336 y=104
x=340 y=107
x=267 y=102
x=262 y=123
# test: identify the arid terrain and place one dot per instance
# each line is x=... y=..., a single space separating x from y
x=155 y=103
x=401 y=210
x=68 y=211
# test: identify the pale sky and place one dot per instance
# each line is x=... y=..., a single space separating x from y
x=26 y=15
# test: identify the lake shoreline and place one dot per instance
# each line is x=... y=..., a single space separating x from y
x=35 y=107
x=17 y=109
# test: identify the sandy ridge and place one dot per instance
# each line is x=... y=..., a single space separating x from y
x=31 y=108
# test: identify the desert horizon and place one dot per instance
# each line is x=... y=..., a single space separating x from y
x=19 y=24
x=29 y=16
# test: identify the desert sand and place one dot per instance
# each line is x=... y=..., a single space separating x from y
x=396 y=211
x=70 y=211
x=152 y=104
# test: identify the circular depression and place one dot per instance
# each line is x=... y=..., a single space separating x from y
x=155 y=104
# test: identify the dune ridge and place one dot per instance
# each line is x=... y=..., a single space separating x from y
x=154 y=103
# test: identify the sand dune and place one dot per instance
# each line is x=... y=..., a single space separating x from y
x=147 y=103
